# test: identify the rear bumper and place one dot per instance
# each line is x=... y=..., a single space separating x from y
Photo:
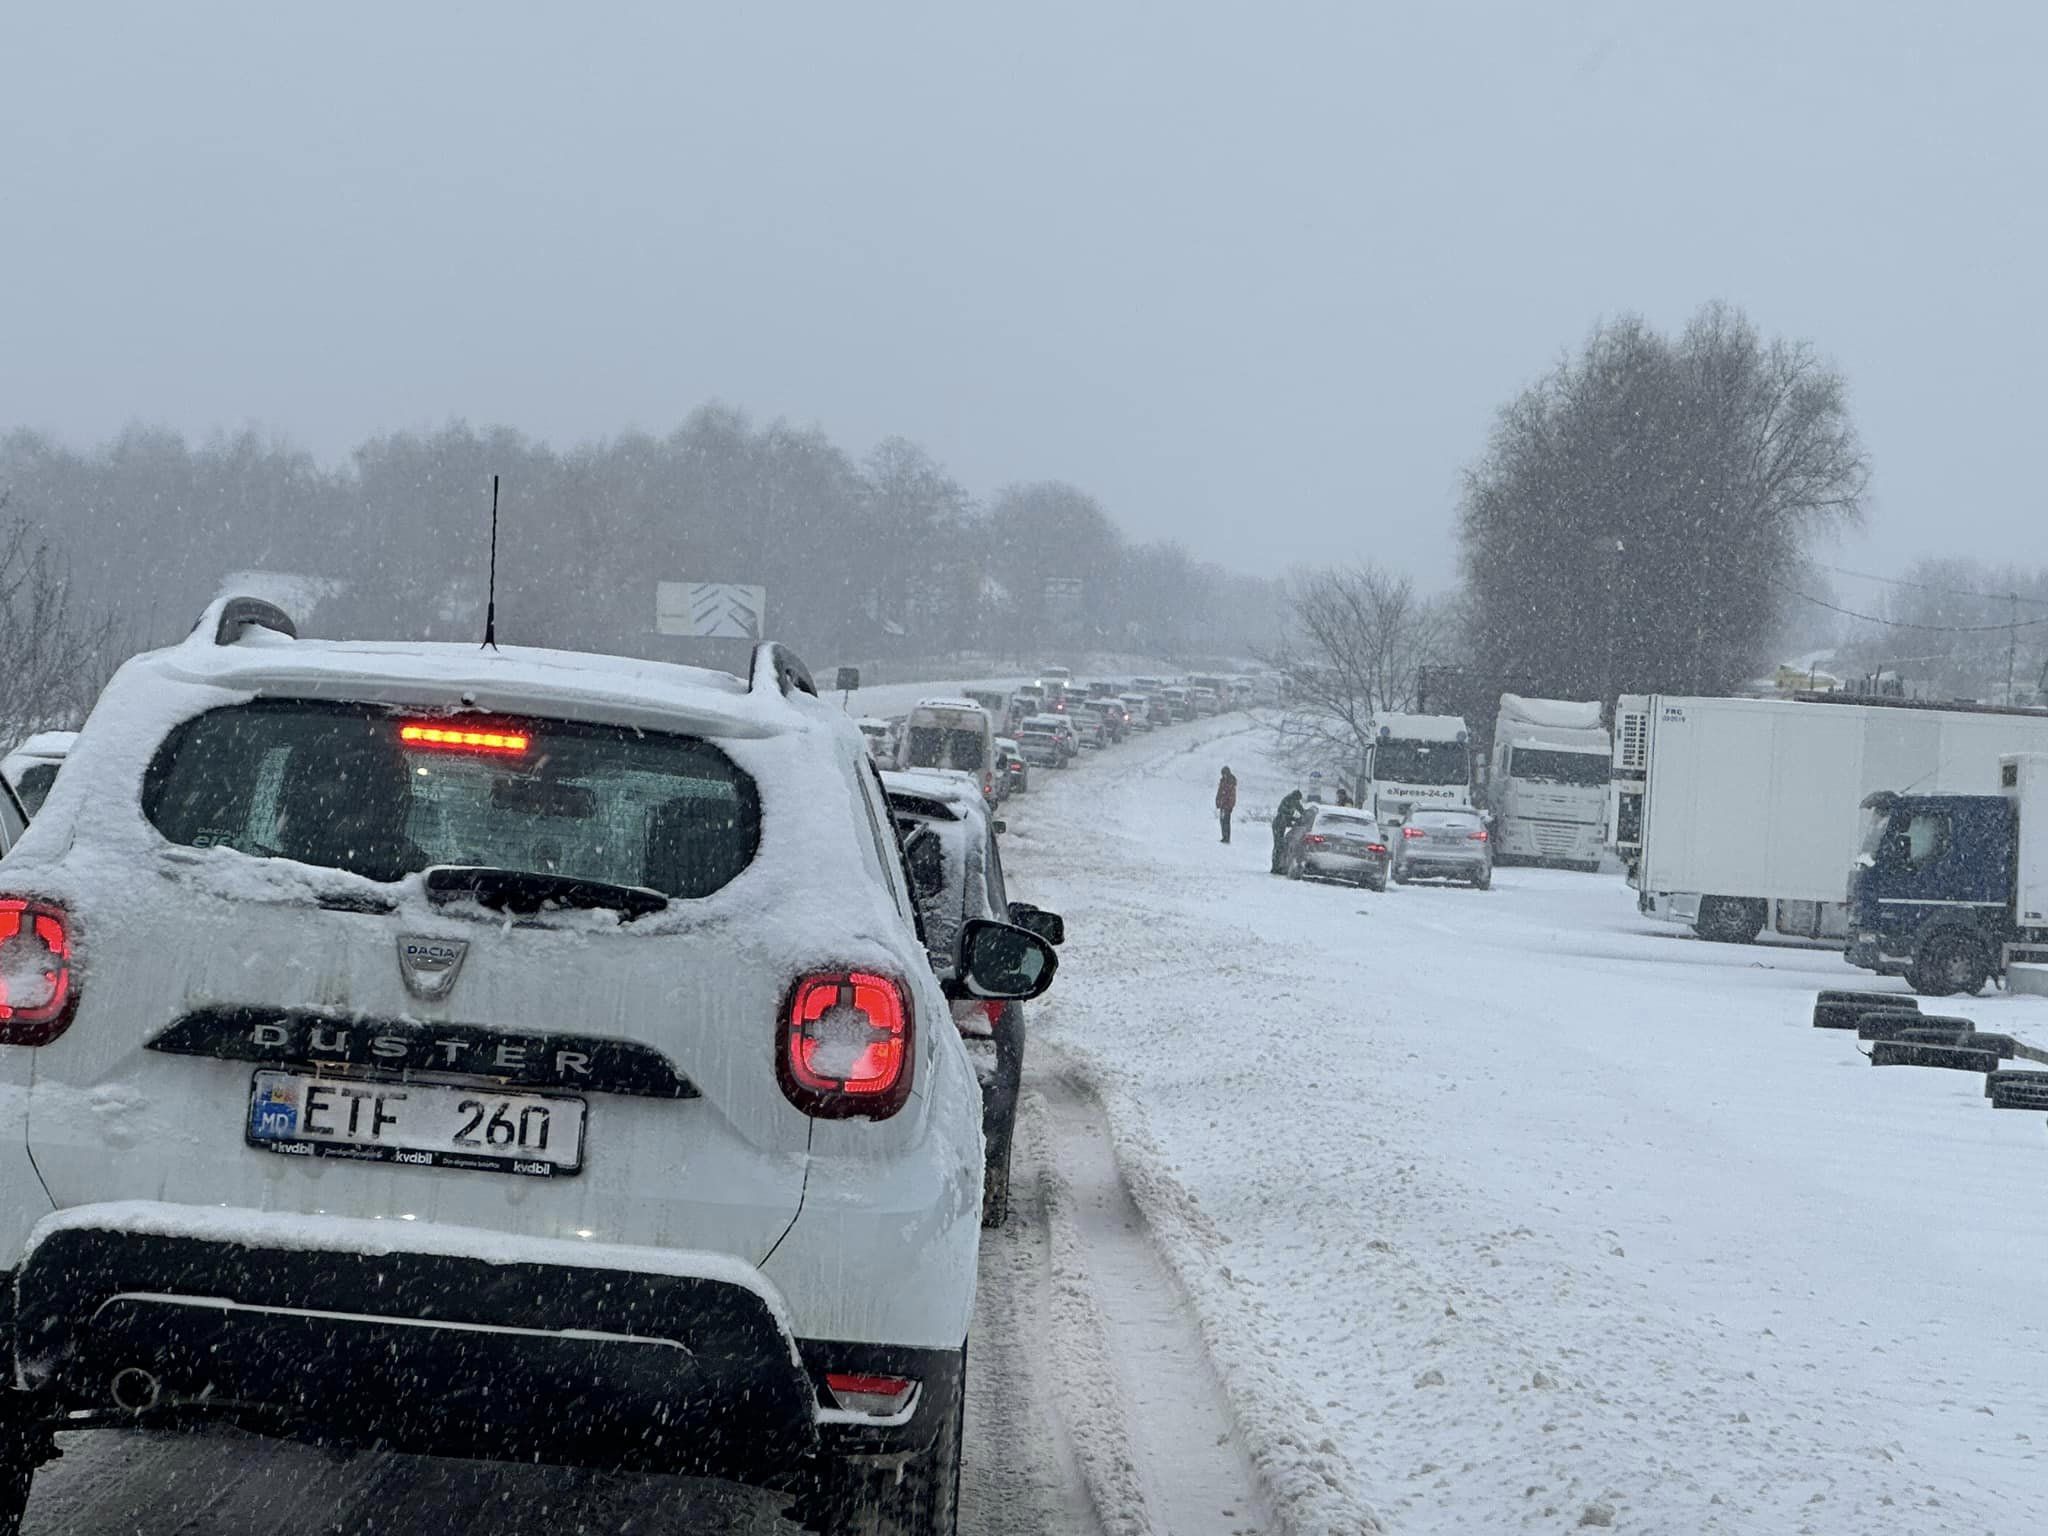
x=1346 y=864
x=1427 y=865
x=434 y=1352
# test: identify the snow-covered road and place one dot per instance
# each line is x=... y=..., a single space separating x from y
x=1513 y=1210
x=1433 y=1211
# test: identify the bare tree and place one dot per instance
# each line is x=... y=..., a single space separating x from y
x=1637 y=514
x=53 y=660
x=1356 y=640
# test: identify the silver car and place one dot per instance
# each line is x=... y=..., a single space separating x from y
x=1334 y=842
x=1449 y=845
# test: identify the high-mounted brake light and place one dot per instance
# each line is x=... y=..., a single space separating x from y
x=38 y=988
x=846 y=1046
x=454 y=739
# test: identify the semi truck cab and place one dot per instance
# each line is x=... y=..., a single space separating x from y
x=1931 y=891
x=1950 y=890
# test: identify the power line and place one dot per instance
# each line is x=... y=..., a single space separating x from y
x=1940 y=629
x=1921 y=586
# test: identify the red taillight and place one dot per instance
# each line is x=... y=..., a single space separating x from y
x=878 y=1397
x=1375 y=847
x=458 y=739
x=994 y=1008
x=1479 y=836
x=1412 y=833
x=846 y=1046
x=1315 y=837
x=38 y=991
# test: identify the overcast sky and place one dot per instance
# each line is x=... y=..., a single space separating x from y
x=1257 y=275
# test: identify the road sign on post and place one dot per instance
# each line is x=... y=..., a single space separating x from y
x=718 y=610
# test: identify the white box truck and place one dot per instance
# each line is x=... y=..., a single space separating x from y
x=1547 y=782
x=1734 y=815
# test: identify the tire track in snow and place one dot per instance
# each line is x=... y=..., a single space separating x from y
x=1169 y=1458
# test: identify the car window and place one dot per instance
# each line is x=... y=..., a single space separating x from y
x=992 y=871
x=34 y=785
x=365 y=789
x=13 y=820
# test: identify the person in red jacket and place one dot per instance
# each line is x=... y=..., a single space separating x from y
x=1226 y=799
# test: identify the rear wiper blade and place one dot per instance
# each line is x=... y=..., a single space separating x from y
x=525 y=891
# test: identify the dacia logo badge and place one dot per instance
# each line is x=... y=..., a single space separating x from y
x=430 y=966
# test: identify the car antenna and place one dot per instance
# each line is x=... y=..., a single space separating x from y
x=491 y=592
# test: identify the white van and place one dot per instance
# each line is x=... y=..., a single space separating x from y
x=950 y=733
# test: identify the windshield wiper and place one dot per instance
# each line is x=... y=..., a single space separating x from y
x=525 y=892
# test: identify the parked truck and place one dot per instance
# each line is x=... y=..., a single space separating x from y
x=1547 y=782
x=1417 y=762
x=1734 y=815
x=1950 y=890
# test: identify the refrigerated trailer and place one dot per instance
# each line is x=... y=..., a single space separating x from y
x=1737 y=815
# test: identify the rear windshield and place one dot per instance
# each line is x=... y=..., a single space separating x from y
x=340 y=786
x=1446 y=819
x=1344 y=819
x=934 y=746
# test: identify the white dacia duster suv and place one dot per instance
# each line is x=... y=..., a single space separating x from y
x=508 y=1054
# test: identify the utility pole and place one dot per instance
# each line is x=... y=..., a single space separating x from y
x=2012 y=644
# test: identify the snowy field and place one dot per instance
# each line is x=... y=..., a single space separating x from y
x=1516 y=1211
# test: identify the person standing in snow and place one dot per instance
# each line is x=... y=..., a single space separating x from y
x=1226 y=799
x=1284 y=818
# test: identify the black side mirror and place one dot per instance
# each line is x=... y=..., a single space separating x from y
x=1001 y=825
x=1003 y=961
x=925 y=857
x=1049 y=926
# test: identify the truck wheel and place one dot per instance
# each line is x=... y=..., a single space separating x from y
x=1730 y=919
x=1948 y=964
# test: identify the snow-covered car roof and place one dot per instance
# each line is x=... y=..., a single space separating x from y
x=948 y=703
x=44 y=747
x=1047 y=723
x=949 y=785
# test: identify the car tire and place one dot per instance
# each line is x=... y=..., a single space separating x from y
x=1950 y=964
x=23 y=1447
x=1400 y=875
x=917 y=1496
x=1374 y=885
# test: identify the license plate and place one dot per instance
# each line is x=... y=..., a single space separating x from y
x=428 y=1125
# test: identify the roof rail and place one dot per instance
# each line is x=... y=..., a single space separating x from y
x=773 y=660
x=231 y=615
